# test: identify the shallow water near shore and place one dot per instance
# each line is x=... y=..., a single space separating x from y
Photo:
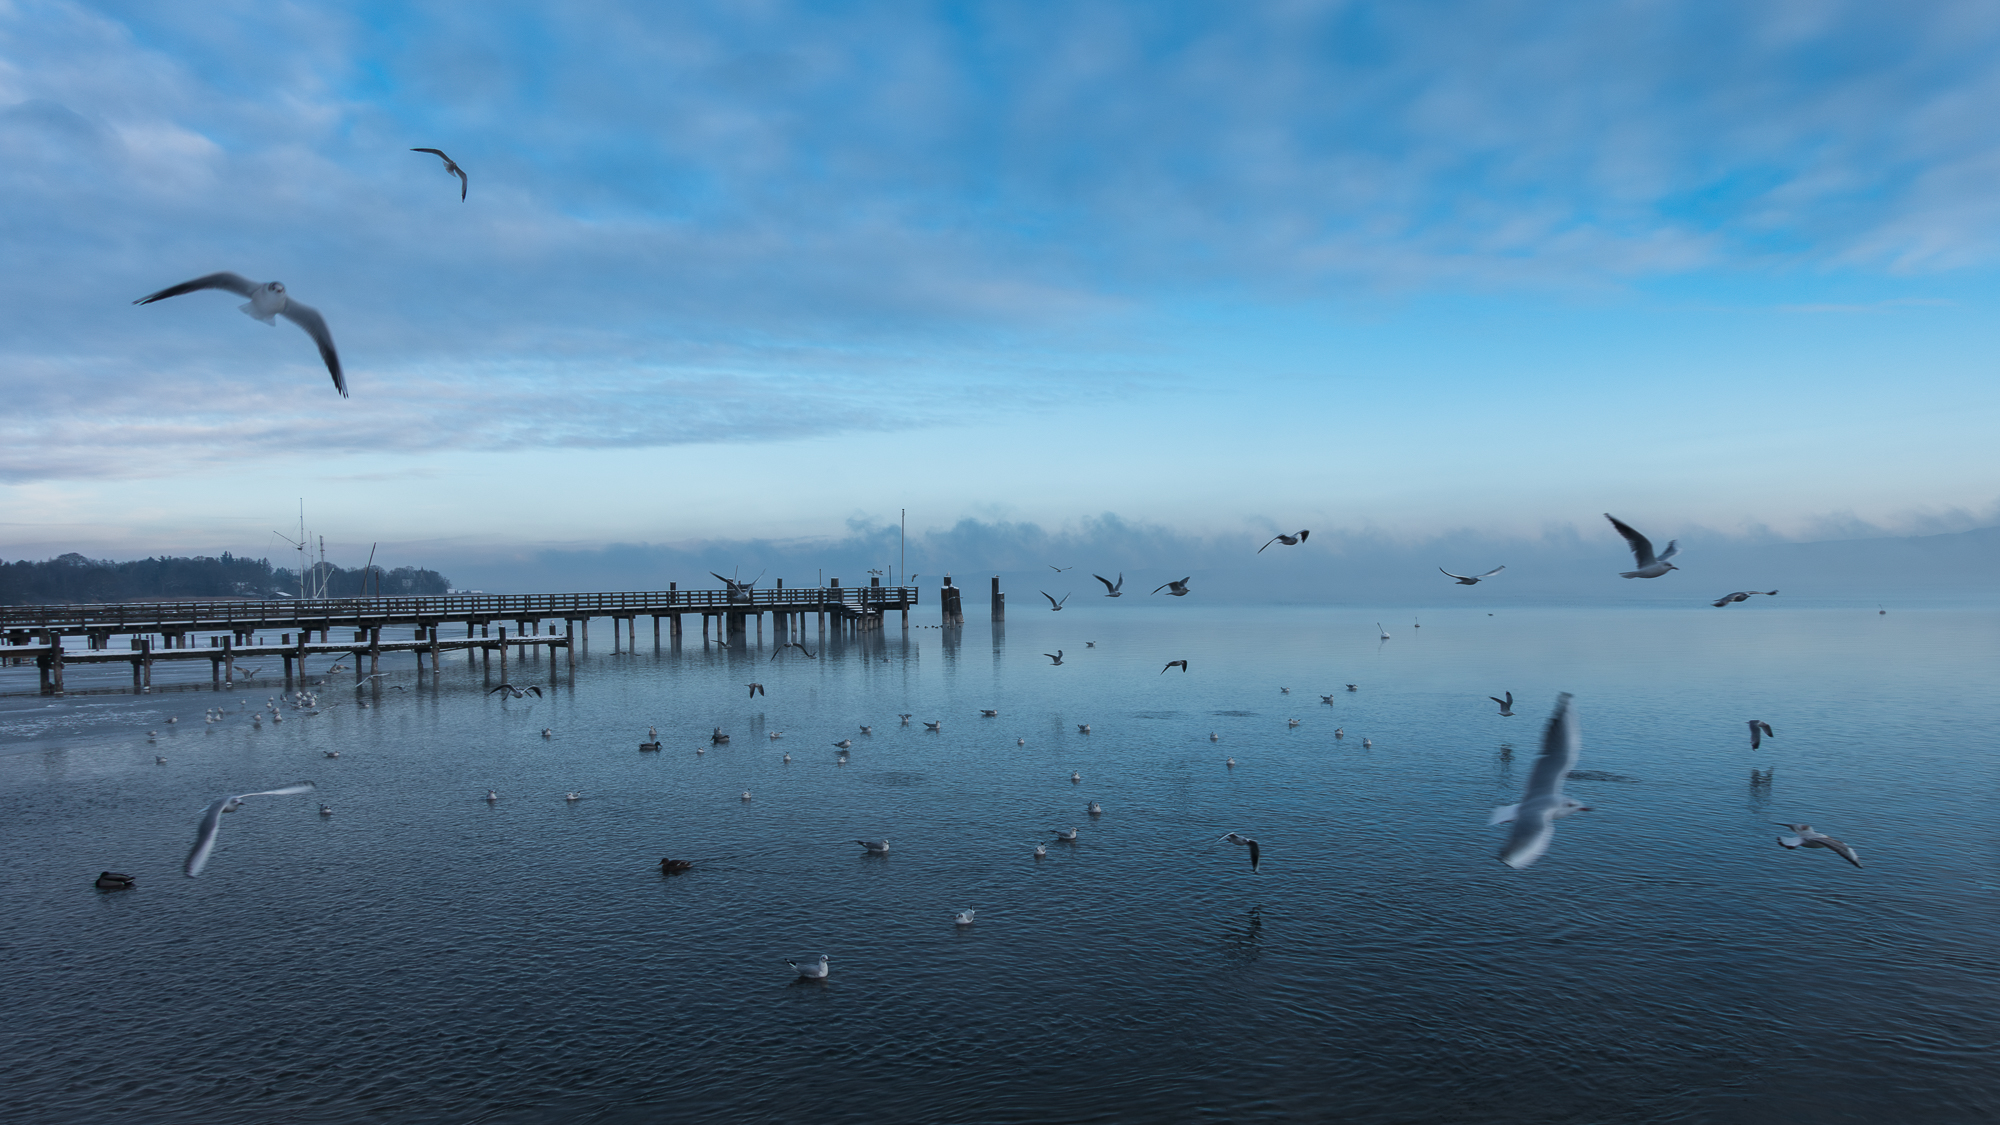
x=425 y=955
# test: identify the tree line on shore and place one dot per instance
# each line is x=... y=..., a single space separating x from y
x=73 y=579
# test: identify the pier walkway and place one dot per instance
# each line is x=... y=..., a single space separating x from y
x=167 y=630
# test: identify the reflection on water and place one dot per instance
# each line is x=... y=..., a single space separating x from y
x=424 y=955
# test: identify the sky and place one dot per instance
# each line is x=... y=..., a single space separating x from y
x=768 y=272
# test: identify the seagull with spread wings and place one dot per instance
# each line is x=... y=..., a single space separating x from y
x=1112 y=589
x=1470 y=579
x=451 y=168
x=211 y=823
x=1181 y=664
x=1176 y=589
x=1287 y=540
x=1054 y=605
x=1543 y=801
x=1740 y=596
x=268 y=300
x=1650 y=565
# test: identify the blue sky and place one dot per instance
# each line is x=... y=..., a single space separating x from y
x=758 y=270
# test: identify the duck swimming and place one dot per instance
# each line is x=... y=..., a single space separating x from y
x=674 y=866
x=113 y=881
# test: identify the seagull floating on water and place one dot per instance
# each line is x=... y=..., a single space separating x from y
x=844 y=743
x=1650 y=565
x=451 y=168
x=1740 y=596
x=1094 y=809
x=1381 y=630
x=934 y=726
x=211 y=823
x=1247 y=842
x=491 y=796
x=964 y=918
x=1075 y=777
x=1807 y=838
x=267 y=300
x=1543 y=801
x=1470 y=579
x=1112 y=589
x=1068 y=837
x=988 y=714
x=572 y=796
x=1176 y=589
x=1083 y=728
x=875 y=847
x=1759 y=731
x=1506 y=705
x=811 y=970
x=1287 y=540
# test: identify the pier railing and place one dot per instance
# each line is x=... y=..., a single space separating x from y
x=151 y=617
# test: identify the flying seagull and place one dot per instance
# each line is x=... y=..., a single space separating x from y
x=517 y=693
x=1178 y=589
x=1112 y=589
x=1506 y=705
x=1807 y=838
x=1470 y=579
x=1759 y=731
x=1740 y=596
x=1650 y=565
x=1287 y=540
x=1543 y=801
x=1054 y=605
x=1055 y=656
x=1060 y=569
x=267 y=300
x=1247 y=842
x=1181 y=664
x=800 y=645
x=451 y=168
x=755 y=690
x=211 y=823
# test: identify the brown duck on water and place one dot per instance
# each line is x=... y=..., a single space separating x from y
x=674 y=866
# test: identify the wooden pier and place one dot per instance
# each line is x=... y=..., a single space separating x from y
x=165 y=630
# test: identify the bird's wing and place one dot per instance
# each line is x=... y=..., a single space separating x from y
x=1493 y=572
x=464 y=184
x=301 y=787
x=1673 y=548
x=1561 y=743
x=1065 y=598
x=1642 y=547
x=1499 y=700
x=1163 y=586
x=1449 y=574
x=502 y=687
x=308 y=318
x=1255 y=855
x=537 y=691
x=438 y=152
x=1302 y=534
x=234 y=282
x=204 y=838
x=1723 y=600
x=1274 y=539
x=1839 y=849
x=1106 y=581
x=1528 y=842
x=1052 y=600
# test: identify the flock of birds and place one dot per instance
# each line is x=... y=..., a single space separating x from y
x=1531 y=821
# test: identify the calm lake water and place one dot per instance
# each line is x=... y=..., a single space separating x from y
x=422 y=955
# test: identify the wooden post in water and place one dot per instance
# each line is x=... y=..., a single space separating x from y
x=569 y=633
x=137 y=684
x=229 y=661
x=999 y=601
x=434 y=653
x=954 y=613
x=375 y=648
x=503 y=654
